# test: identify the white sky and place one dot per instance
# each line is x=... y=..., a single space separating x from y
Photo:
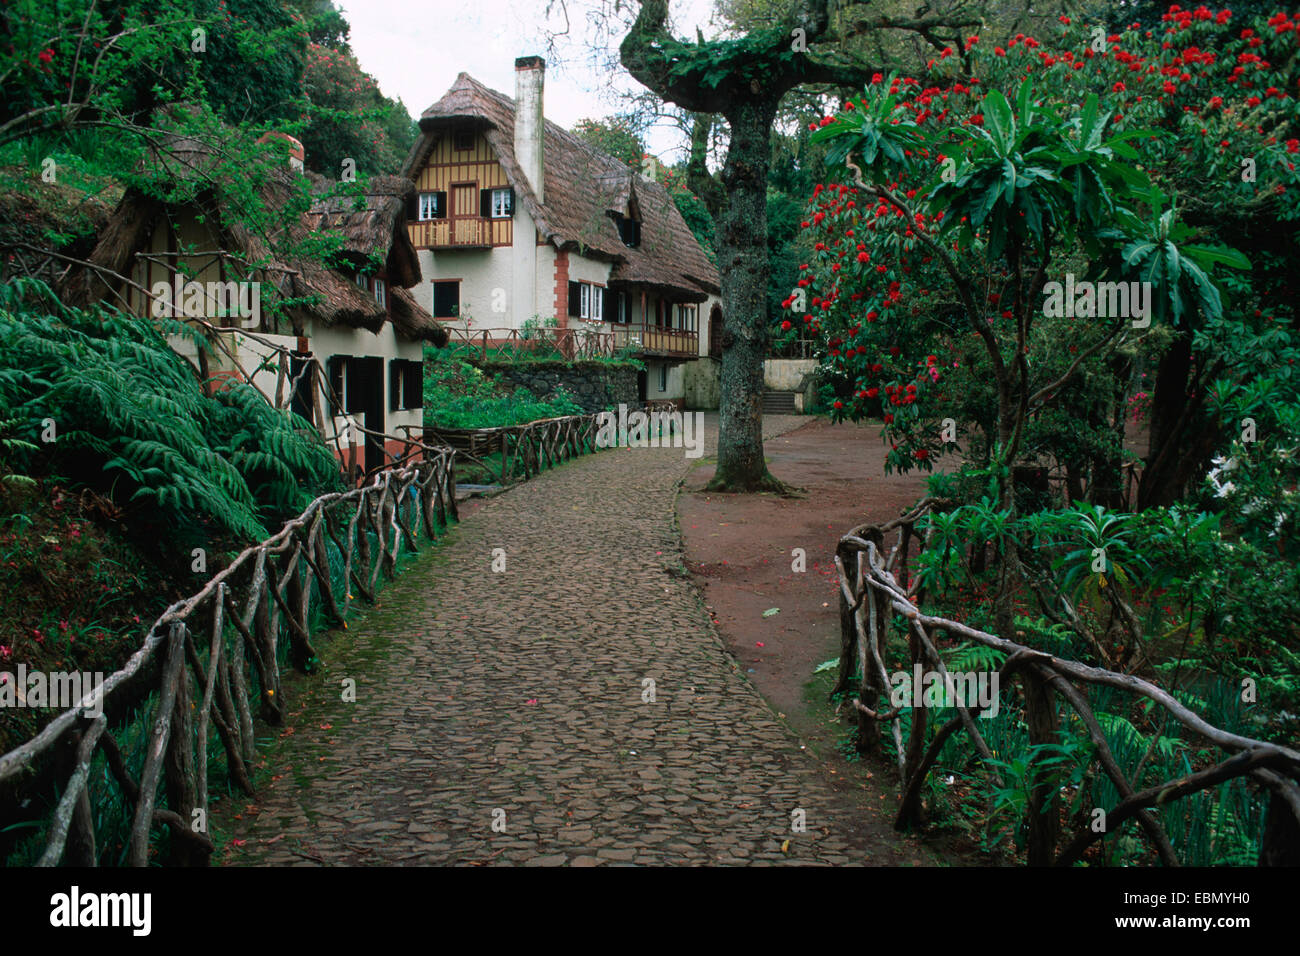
x=415 y=50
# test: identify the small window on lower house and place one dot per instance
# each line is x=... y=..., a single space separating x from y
x=381 y=293
x=446 y=299
x=584 y=300
x=663 y=378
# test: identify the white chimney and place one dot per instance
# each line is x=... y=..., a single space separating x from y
x=530 y=77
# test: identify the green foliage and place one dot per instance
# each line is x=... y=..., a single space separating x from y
x=263 y=64
x=132 y=419
x=459 y=395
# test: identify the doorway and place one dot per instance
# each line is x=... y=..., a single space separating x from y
x=366 y=399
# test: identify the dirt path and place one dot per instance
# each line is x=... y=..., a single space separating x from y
x=504 y=717
x=740 y=548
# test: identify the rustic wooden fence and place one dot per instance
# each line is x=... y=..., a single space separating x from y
x=525 y=450
x=515 y=344
x=871 y=595
x=209 y=657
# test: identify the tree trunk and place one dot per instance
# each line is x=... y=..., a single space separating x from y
x=1157 y=485
x=743 y=262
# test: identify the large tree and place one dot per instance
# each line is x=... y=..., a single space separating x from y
x=744 y=79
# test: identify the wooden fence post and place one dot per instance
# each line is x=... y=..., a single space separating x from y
x=1042 y=816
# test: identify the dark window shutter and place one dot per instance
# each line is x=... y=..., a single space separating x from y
x=354 y=394
x=510 y=202
x=394 y=385
x=636 y=232
x=334 y=367
x=575 y=304
x=606 y=301
x=485 y=203
x=413 y=208
x=413 y=386
x=441 y=212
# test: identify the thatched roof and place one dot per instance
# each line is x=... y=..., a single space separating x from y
x=377 y=227
x=583 y=187
x=412 y=322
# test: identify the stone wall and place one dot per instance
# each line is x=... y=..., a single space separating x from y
x=702 y=383
x=593 y=385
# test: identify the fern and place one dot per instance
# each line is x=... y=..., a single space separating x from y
x=132 y=419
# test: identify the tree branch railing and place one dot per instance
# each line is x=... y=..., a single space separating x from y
x=210 y=656
x=512 y=345
x=875 y=588
x=525 y=450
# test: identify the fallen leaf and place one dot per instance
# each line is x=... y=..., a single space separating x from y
x=770 y=612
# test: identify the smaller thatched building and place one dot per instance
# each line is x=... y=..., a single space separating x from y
x=297 y=284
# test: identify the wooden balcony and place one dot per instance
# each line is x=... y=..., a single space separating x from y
x=470 y=232
x=654 y=340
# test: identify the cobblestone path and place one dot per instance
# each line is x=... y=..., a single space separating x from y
x=519 y=698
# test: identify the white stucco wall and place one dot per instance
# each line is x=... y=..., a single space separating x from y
x=360 y=342
x=675 y=387
x=480 y=271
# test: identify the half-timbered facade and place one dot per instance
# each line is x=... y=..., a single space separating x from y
x=518 y=224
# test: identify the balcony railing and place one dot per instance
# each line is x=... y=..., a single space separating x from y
x=574 y=344
x=654 y=340
x=468 y=233
x=514 y=344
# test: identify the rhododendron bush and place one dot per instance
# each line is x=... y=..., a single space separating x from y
x=1099 y=155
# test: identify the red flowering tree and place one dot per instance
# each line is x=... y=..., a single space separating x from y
x=927 y=266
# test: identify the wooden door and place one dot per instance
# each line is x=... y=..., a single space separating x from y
x=465 y=221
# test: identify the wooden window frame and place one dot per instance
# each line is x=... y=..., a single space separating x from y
x=456 y=136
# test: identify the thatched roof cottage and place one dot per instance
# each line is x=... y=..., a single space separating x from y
x=516 y=220
x=338 y=337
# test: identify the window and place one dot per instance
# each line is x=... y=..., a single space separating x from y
x=381 y=294
x=622 y=308
x=446 y=299
x=463 y=139
x=587 y=301
x=362 y=280
x=432 y=206
x=405 y=384
x=496 y=203
x=503 y=203
x=629 y=230
x=663 y=378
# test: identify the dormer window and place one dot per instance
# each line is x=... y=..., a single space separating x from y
x=362 y=281
x=629 y=229
x=381 y=293
x=463 y=139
